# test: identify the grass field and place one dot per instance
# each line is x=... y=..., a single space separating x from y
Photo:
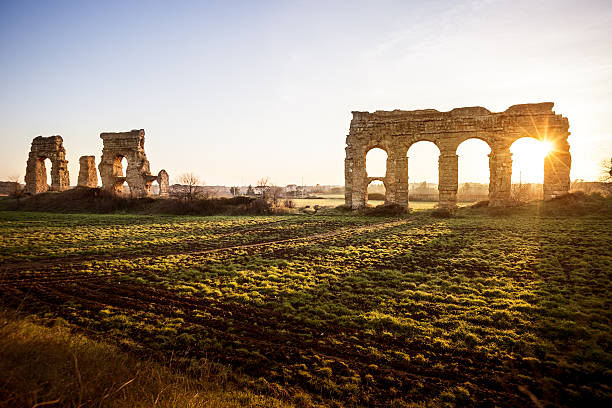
x=336 y=310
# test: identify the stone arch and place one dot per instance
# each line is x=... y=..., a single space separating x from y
x=471 y=188
x=43 y=148
x=397 y=130
x=371 y=180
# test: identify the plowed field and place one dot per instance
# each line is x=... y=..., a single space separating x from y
x=472 y=310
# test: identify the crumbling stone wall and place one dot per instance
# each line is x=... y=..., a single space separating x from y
x=138 y=174
x=88 y=174
x=51 y=148
x=397 y=130
x=163 y=181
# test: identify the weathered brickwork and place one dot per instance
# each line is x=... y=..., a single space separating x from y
x=51 y=148
x=138 y=173
x=397 y=130
x=88 y=174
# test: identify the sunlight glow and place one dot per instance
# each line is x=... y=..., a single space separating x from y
x=528 y=160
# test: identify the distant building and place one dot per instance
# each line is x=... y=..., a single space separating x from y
x=260 y=190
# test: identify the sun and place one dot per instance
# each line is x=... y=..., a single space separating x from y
x=528 y=160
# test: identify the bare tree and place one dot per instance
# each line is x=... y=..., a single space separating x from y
x=263 y=182
x=189 y=186
x=14 y=178
x=274 y=194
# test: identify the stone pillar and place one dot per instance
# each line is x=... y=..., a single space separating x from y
x=448 y=165
x=355 y=171
x=401 y=177
x=390 y=181
x=500 y=178
x=348 y=179
x=163 y=182
x=397 y=178
x=88 y=174
x=557 y=166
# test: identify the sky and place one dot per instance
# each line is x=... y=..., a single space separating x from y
x=235 y=91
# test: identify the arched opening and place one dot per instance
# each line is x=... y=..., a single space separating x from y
x=423 y=174
x=44 y=173
x=120 y=170
x=376 y=162
x=376 y=193
x=474 y=173
x=528 y=168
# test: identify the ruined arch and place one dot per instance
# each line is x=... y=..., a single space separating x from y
x=138 y=174
x=397 y=130
x=43 y=148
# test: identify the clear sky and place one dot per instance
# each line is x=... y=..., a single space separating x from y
x=234 y=91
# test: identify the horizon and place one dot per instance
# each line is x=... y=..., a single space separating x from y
x=236 y=92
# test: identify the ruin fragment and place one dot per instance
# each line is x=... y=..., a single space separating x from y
x=43 y=148
x=88 y=174
x=395 y=131
x=138 y=174
x=163 y=182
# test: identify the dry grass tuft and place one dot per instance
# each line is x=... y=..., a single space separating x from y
x=52 y=367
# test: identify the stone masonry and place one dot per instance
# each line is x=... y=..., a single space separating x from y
x=88 y=174
x=138 y=174
x=397 y=130
x=51 y=148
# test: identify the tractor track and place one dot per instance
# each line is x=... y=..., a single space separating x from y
x=13 y=270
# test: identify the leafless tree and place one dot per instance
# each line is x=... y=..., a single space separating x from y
x=274 y=194
x=189 y=186
x=14 y=178
x=263 y=182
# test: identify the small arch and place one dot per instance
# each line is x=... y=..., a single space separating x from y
x=376 y=162
x=473 y=168
x=376 y=193
x=423 y=172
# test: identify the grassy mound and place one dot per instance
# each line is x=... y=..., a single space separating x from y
x=577 y=203
x=96 y=200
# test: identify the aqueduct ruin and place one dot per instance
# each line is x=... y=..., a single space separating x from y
x=395 y=131
x=129 y=145
x=43 y=148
